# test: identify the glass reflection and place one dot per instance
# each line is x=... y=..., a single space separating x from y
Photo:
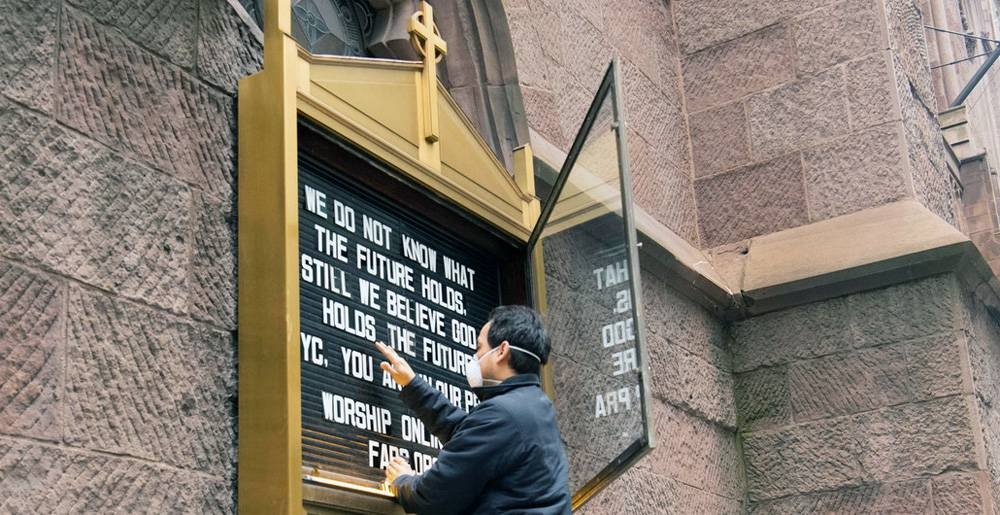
x=589 y=309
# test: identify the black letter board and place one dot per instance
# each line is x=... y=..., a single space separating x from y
x=372 y=269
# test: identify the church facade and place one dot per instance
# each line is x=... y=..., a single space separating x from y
x=820 y=303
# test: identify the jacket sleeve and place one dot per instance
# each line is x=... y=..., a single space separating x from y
x=477 y=453
x=432 y=408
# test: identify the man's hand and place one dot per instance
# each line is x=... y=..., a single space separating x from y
x=397 y=467
x=397 y=367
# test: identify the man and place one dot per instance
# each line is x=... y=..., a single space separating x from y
x=505 y=455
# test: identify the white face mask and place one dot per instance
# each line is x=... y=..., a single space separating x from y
x=475 y=374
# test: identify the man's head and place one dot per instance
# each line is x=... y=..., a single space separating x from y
x=507 y=328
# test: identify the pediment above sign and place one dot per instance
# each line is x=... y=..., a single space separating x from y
x=377 y=105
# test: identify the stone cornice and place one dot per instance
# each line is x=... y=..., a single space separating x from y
x=878 y=247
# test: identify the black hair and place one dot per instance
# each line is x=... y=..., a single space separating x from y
x=522 y=327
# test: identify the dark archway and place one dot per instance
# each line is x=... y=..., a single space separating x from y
x=481 y=73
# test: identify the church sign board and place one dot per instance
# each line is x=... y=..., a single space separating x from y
x=371 y=270
x=371 y=209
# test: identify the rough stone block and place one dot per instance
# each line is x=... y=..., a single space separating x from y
x=229 y=47
x=836 y=33
x=896 y=440
x=908 y=44
x=27 y=51
x=807 y=331
x=71 y=205
x=642 y=161
x=960 y=493
x=733 y=69
x=549 y=23
x=37 y=478
x=573 y=100
x=661 y=185
x=576 y=35
x=129 y=99
x=676 y=319
x=762 y=399
x=695 y=452
x=751 y=201
x=525 y=41
x=984 y=356
x=666 y=194
x=719 y=139
x=935 y=366
x=870 y=90
x=877 y=446
x=702 y=23
x=802 y=459
x=909 y=497
x=213 y=276
x=846 y=384
x=649 y=42
x=166 y=28
x=797 y=114
x=639 y=492
x=537 y=66
x=854 y=173
x=990 y=421
x=933 y=184
x=594 y=14
x=144 y=384
x=640 y=30
x=31 y=335
x=904 y=312
x=543 y=115
x=684 y=380
x=647 y=110
x=877 y=377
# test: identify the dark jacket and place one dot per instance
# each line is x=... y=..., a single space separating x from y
x=504 y=456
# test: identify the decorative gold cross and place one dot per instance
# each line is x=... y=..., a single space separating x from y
x=428 y=43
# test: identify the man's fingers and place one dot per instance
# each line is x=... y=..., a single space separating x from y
x=397 y=367
x=396 y=464
x=387 y=351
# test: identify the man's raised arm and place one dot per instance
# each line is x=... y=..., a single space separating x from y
x=430 y=405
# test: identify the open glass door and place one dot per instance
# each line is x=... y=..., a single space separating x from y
x=585 y=261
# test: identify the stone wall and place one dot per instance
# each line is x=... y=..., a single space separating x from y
x=863 y=404
x=117 y=254
x=562 y=49
x=697 y=465
x=802 y=111
x=933 y=184
x=982 y=331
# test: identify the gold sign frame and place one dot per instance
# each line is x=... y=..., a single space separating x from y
x=395 y=110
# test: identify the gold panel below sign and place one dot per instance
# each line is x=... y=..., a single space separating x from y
x=384 y=108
